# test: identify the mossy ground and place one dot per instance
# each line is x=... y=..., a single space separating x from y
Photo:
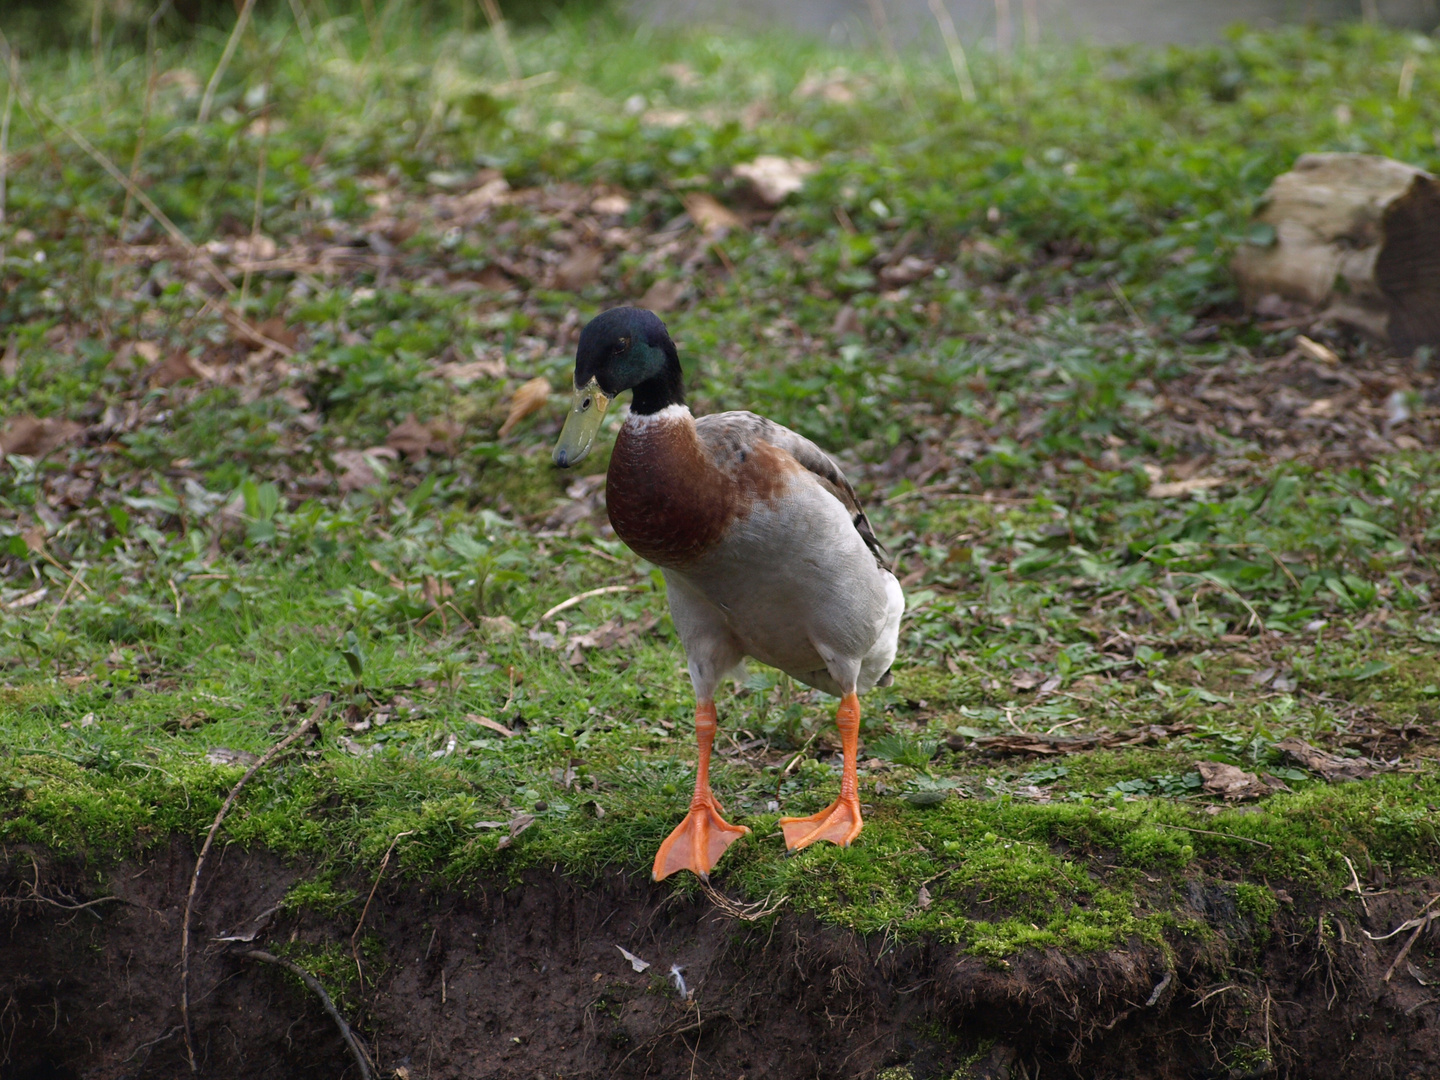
x=212 y=560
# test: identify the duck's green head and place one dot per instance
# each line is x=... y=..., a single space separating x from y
x=625 y=348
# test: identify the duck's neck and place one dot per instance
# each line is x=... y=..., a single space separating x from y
x=662 y=390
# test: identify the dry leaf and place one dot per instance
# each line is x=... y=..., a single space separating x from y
x=1177 y=488
x=529 y=398
x=709 y=216
x=635 y=961
x=1331 y=767
x=1315 y=351
x=272 y=329
x=922 y=899
x=1027 y=680
x=1230 y=781
x=663 y=295
x=30 y=599
x=34 y=437
x=360 y=469
x=486 y=722
x=907 y=271
x=1320 y=409
x=518 y=825
x=415 y=439
x=775 y=178
x=494 y=279
x=847 y=322
x=580 y=268
x=610 y=204
x=177 y=368
x=223 y=755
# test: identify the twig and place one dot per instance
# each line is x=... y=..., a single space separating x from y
x=355 y=937
x=1129 y=307
x=64 y=597
x=566 y=605
x=313 y=983
x=259 y=201
x=302 y=20
x=150 y=53
x=1212 y=832
x=265 y=758
x=234 y=40
x=502 y=38
x=5 y=141
x=1405 y=949
x=955 y=49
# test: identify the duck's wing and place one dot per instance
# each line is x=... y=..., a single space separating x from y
x=731 y=438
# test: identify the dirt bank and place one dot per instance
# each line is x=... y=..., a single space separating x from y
x=524 y=980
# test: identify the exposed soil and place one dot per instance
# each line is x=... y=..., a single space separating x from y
x=524 y=980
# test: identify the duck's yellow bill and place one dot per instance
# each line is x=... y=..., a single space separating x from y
x=582 y=425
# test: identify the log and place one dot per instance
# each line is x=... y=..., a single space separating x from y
x=1349 y=237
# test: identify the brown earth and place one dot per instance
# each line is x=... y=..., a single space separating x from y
x=524 y=980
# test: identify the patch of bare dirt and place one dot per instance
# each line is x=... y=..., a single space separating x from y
x=538 y=978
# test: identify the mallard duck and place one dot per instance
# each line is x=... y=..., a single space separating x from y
x=765 y=550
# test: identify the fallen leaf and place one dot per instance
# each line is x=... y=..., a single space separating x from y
x=32 y=436
x=709 y=216
x=1230 y=781
x=223 y=755
x=498 y=624
x=415 y=439
x=610 y=204
x=1027 y=680
x=635 y=961
x=663 y=294
x=1177 y=488
x=1320 y=409
x=30 y=599
x=530 y=397
x=271 y=330
x=518 y=825
x=922 y=899
x=1330 y=767
x=361 y=469
x=580 y=268
x=1315 y=351
x=847 y=322
x=486 y=722
x=775 y=178
x=177 y=368
x=908 y=270
x=494 y=279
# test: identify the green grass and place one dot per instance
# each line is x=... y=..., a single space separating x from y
x=1003 y=414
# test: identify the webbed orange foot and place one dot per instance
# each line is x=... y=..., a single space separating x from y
x=840 y=823
x=697 y=842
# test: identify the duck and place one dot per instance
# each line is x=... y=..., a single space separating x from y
x=765 y=551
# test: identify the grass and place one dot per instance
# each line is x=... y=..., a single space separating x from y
x=227 y=535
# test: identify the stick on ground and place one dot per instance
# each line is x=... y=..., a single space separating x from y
x=314 y=984
x=265 y=758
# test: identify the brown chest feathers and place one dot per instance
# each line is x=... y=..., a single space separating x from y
x=671 y=500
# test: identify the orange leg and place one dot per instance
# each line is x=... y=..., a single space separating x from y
x=840 y=821
x=698 y=842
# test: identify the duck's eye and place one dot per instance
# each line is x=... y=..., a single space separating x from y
x=585 y=404
x=621 y=345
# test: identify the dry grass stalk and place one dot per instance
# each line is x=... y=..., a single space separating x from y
x=150 y=78
x=887 y=41
x=955 y=49
x=502 y=38
x=241 y=21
